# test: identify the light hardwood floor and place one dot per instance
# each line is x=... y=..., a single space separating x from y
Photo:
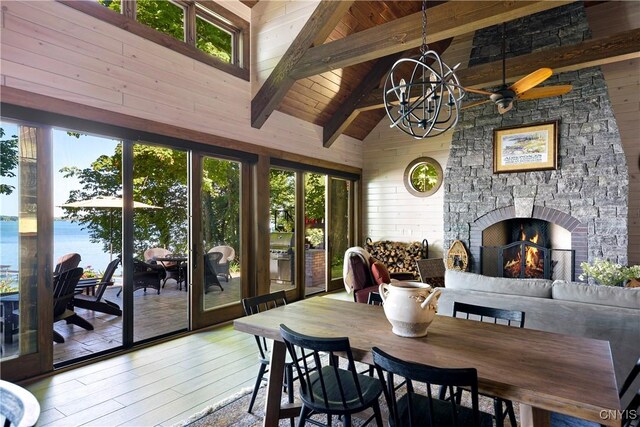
x=154 y=386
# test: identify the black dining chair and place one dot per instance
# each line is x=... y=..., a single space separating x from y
x=503 y=408
x=374 y=299
x=415 y=409
x=256 y=305
x=324 y=387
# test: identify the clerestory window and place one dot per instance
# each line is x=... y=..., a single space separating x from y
x=201 y=29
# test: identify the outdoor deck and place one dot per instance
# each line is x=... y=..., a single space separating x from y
x=154 y=315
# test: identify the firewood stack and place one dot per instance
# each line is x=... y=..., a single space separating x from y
x=398 y=256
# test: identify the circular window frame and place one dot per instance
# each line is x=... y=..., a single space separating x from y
x=412 y=166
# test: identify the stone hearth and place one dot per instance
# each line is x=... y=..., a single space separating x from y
x=587 y=194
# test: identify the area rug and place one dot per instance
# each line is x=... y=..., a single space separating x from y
x=232 y=411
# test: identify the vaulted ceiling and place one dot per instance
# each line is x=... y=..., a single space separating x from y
x=331 y=73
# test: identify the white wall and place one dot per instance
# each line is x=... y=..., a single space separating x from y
x=54 y=50
x=390 y=212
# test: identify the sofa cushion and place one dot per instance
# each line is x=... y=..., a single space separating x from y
x=380 y=273
x=596 y=294
x=538 y=288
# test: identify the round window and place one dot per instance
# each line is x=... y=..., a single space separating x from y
x=423 y=176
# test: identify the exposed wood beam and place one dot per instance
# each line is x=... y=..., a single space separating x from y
x=443 y=21
x=347 y=112
x=590 y=53
x=249 y=3
x=322 y=21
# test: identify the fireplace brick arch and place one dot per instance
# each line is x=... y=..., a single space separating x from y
x=577 y=229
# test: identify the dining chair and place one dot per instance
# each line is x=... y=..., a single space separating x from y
x=374 y=299
x=18 y=406
x=326 y=388
x=64 y=285
x=416 y=409
x=508 y=317
x=255 y=305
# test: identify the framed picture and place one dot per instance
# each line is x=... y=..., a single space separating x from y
x=526 y=148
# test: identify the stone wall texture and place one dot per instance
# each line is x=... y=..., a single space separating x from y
x=591 y=181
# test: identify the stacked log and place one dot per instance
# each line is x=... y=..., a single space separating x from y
x=397 y=256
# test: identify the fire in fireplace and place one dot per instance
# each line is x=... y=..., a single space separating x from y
x=527 y=255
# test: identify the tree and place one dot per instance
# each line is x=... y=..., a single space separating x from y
x=168 y=17
x=8 y=160
x=160 y=176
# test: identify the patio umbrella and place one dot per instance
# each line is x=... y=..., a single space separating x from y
x=106 y=202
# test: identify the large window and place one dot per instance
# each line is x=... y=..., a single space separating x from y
x=203 y=30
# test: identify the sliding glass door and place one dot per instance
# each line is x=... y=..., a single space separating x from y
x=340 y=228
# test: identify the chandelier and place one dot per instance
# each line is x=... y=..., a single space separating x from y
x=428 y=103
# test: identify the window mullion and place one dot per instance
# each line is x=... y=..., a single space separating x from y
x=190 y=24
x=129 y=8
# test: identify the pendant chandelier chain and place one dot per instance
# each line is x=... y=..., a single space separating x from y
x=424 y=48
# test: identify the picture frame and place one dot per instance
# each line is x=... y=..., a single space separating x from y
x=522 y=148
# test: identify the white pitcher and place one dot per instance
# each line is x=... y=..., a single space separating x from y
x=410 y=307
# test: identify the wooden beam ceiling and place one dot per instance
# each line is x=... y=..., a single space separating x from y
x=443 y=21
x=322 y=21
x=590 y=53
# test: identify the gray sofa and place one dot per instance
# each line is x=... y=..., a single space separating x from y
x=600 y=312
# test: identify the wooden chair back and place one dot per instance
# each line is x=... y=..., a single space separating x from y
x=106 y=279
x=64 y=286
x=314 y=359
x=258 y=304
x=511 y=317
x=439 y=412
x=67 y=262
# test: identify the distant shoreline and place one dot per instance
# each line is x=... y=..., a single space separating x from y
x=8 y=218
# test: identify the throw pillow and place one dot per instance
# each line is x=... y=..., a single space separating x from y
x=380 y=273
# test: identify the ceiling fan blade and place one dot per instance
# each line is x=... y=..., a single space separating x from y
x=531 y=80
x=545 y=92
x=478 y=91
x=504 y=110
x=473 y=104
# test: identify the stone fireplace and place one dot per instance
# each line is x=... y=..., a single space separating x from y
x=540 y=243
x=585 y=201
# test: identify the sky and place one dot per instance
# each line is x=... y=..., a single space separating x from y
x=67 y=151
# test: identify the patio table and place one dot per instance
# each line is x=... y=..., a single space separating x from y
x=543 y=371
x=178 y=260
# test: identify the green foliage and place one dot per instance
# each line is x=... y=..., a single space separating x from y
x=221 y=203
x=213 y=40
x=168 y=18
x=8 y=160
x=163 y=16
x=314 y=190
x=282 y=187
x=610 y=274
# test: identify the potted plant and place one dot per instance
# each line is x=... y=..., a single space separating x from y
x=608 y=273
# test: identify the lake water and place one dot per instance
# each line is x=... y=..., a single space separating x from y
x=68 y=237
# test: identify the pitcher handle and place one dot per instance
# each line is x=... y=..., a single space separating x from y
x=383 y=289
x=435 y=294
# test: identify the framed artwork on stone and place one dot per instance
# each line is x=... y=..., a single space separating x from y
x=526 y=148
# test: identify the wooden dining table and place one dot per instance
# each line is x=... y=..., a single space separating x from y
x=545 y=372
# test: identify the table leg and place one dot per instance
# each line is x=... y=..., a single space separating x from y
x=274 y=385
x=534 y=417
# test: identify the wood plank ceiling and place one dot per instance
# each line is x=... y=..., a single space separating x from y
x=316 y=99
x=308 y=84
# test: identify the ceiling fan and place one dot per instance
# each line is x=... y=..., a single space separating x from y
x=525 y=88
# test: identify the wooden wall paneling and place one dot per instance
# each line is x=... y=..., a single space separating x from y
x=623 y=81
x=155 y=83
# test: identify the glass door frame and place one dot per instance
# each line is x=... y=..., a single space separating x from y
x=41 y=360
x=334 y=284
x=199 y=317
